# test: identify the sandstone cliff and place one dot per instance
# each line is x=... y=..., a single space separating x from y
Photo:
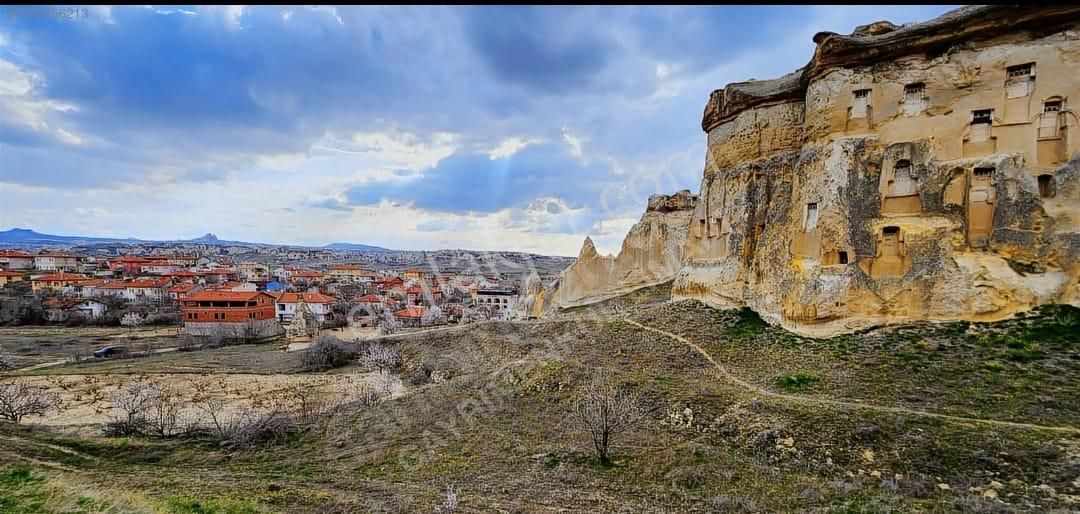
x=925 y=172
x=651 y=253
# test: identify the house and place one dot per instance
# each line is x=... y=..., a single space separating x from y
x=63 y=309
x=247 y=315
x=350 y=273
x=143 y=290
x=158 y=265
x=90 y=288
x=319 y=304
x=232 y=286
x=502 y=300
x=305 y=276
x=252 y=270
x=57 y=281
x=411 y=316
x=49 y=261
x=128 y=265
x=179 y=292
x=414 y=274
x=416 y=295
x=389 y=284
x=15 y=260
x=7 y=277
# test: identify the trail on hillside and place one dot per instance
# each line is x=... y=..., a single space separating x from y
x=805 y=400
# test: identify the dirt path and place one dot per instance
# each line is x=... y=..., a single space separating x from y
x=60 y=362
x=814 y=402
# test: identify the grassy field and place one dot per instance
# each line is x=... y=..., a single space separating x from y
x=494 y=425
x=31 y=345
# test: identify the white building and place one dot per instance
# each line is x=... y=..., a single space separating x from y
x=319 y=304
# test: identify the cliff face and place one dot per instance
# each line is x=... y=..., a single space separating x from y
x=927 y=172
x=651 y=253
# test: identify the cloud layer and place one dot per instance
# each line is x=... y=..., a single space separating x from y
x=523 y=128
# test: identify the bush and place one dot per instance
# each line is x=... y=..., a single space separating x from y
x=164 y=318
x=797 y=382
x=19 y=399
x=382 y=356
x=422 y=374
x=328 y=352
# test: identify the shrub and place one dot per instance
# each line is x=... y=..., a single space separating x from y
x=164 y=318
x=797 y=382
x=19 y=399
x=385 y=357
x=328 y=352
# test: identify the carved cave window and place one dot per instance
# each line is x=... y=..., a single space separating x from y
x=981 y=120
x=1047 y=186
x=811 y=216
x=890 y=238
x=914 y=99
x=1019 y=80
x=843 y=257
x=860 y=103
x=903 y=182
x=1050 y=119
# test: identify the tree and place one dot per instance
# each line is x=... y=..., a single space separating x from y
x=132 y=320
x=605 y=412
x=19 y=399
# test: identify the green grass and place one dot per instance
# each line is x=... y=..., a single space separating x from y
x=188 y=505
x=797 y=382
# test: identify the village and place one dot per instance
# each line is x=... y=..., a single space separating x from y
x=246 y=300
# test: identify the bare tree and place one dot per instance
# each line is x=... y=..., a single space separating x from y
x=132 y=320
x=605 y=412
x=6 y=361
x=385 y=357
x=450 y=504
x=20 y=398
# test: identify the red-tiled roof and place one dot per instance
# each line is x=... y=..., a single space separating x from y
x=182 y=288
x=131 y=260
x=307 y=274
x=10 y=274
x=308 y=298
x=53 y=254
x=346 y=267
x=65 y=303
x=415 y=311
x=14 y=253
x=369 y=298
x=209 y=296
x=61 y=277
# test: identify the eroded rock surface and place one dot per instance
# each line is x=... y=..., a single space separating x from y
x=922 y=172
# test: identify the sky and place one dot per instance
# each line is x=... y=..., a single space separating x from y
x=413 y=128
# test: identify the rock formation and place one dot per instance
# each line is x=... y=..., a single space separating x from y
x=651 y=253
x=922 y=172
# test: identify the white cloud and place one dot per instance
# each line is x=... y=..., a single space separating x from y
x=285 y=15
x=331 y=11
x=574 y=142
x=23 y=107
x=511 y=146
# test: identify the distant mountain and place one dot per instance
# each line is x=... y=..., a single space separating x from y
x=31 y=238
x=356 y=247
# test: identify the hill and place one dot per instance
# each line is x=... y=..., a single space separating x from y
x=743 y=417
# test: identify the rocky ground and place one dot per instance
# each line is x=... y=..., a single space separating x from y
x=742 y=417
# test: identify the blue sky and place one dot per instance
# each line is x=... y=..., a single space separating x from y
x=512 y=128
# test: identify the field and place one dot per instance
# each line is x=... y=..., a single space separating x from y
x=742 y=417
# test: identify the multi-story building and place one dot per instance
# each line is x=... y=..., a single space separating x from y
x=16 y=260
x=7 y=277
x=349 y=273
x=232 y=315
x=52 y=261
x=319 y=304
x=59 y=282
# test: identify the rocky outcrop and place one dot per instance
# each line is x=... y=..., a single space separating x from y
x=651 y=253
x=921 y=172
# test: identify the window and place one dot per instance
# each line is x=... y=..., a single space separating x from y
x=1050 y=118
x=983 y=172
x=914 y=99
x=1019 y=80
x=860 y=104
x=843 y=257
x=903 y=182
x=981 y=121
x=811 y=216
x=1047 y=187
x=982 y=116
